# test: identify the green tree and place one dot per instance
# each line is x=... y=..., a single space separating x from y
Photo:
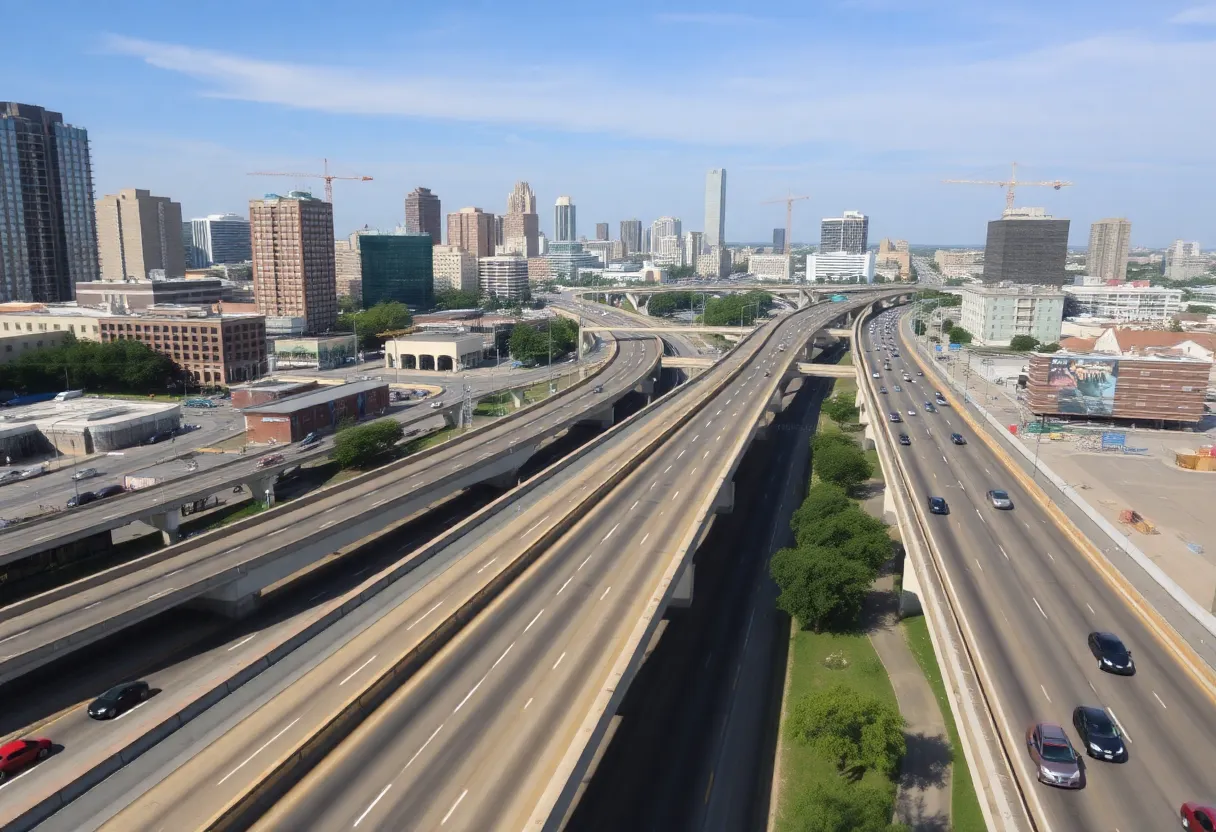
x=851 y=533
x=681 y=272
x=837 y=806
x=1176 y=325
x=853 y=729
x=823 y=500
x=1052 y=347
x=947 y=324
x=822 y=588
x=918 y=327
x=1023 y=343
x=1201 y=309
x=456 y=299
x=840 y=409
x=373 y=325
x=739 y=268
x=666 y=304
x=347 y=304
x=123 y=366
x=958 y=335
x=733 y=310
x=531 y=344
x=362 y=445
x=843 y=464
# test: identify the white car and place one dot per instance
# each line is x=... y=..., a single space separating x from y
x=436 y=405
x=875 y=374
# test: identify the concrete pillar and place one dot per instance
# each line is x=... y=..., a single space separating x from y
x=888 y=507
x=636 y=300
x=262 y=489
x=517 y=398
x=682 y=597
x=724 y=503
x=645 y=387
x=604 y=419
x=867 y=441
x=169 y=523
x=909 y=592
x=451 y=417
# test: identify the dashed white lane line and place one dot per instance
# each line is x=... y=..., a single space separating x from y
x=653 y=484
x=327 y=525
x=719 y=439
x=982 y=520
x=89 y=607
x=372 y=805
x=1003 y=552
x=673 y=496
x=605 y=595
x=23 y=632
x=538 y=522
x=667 y=469
x=156 y=595
x=614 y=528
x=487 y=564
x=1040 y=606
x=1091 y=609
x=263 y=747
x=533 y=621
x=425 y=614
x=695 y=438
x=354 y=672
x=453 y=809
x=635 y=505
x=133 y=710
x=1045 y=692
x=469 y=695
x=526 y=704
x=245 y=640
x=1119 y=725
x=559 y=660
x=1158 y=698
x=280 y=531
x=706 y=455
x=980 y=565
x=645 y=538
x=566 y=584
x=680 y=454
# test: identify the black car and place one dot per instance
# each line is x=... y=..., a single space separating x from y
x=1099 y=734
x=957 y=439
x=904 y=440
x=109 y=491
x=119 y=699
x=1112 y=656
x=937 y=505
x=81 y=499
x=882 y=389
x=895 y=417
x=929 y=408
x=158 y=437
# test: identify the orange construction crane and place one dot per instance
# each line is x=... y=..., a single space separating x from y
x=789 y=215
x=1009 y=185
x=327 y=176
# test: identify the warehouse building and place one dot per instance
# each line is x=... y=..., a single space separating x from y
x=291 y=419
x=267 y=391
x=1097 y=386
x=440 y=352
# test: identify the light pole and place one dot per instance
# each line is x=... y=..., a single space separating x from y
x=1038 y=441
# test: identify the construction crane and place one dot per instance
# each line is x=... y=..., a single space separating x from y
x=1010 y=186
x=789 y=214
x=327 y=176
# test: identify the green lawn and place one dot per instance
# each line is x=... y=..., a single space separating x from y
x=965 y=812
x=800 y=764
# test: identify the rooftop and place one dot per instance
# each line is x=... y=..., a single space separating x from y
x=81 y=413
x=67 y=309
x=273 y=385
x=315 y=397
x=437 y=337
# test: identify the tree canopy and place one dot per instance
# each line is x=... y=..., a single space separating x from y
x=456 y=299
x=373 y=325
x=853 y=729
x=840 y=460
x=737 y=310
x=820 y=587
x=124 y=366
x=530 y=344
x=360 y=445
x=841 y=409
x=1023 y=343
x=666 y=304
x=836 y=806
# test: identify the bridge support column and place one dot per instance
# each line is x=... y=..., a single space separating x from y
x=604 y=419
x=645 y=387
x=867 y=440
x=169 y=523
x=262 y=489
x=909 y=591
x=888 y=508
x=636 y=300
x=517 y=398
x=682 y=597
x=724 y=503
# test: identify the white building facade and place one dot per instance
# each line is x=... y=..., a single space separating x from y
x=995 y=314
x=840 y=267
x=771 y=267
x=1128 y=303
x=454 y=269
x=504 y=276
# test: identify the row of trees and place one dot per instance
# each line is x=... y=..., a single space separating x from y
x=1026 y=343
x=666 y=304
x=737 y=310
x=116 y=367
x=372 y=326
x=533 y=345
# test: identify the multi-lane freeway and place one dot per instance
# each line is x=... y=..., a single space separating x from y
x=1031 y=598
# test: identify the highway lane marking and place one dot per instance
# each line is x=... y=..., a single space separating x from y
x=673 y=496
x=719 y=413
x=356 y=670
x=719 y=439
x=469 y=695
x=372 y=805
x=529 y=702
x=533 y=621
x=695 y=438
x=277 y=531
x=328 y=510
x=112 y=516
x=1091 y=609
x=644 y=539
x=982 y=520
x=653 y=484
x=1158 y=698
x=1045 y=692
x=566 y=584
x=23 y=632
x=1003 y=552
x=1037 y=604
x=680 y=455
x=90 y=606
x=487 y=563
x=614 y=528
x=245 y=640
x=259 y=751
x=44 y=537
x=635 y=505
x=559 y=660
x=328 y=524
x=706 y=455
x=606 y=591
x=315 y=597
x=503 y=656
x=945 y=460
x=980 y=565
x=1122 y=731
x=425 y=614
x=156 y=595
x=668 y=469
x=453 y=809
x=694 y=470
x=986 y=471
x=1053 y=557
x=133 y=710
x=380 y=502
x=538 y=522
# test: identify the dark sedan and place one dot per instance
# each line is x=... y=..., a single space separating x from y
x=81 y=499
x=1112 y=656
x=957 y=439
x=937 y=505
x=904 y=439
x=119 y=699
x=1099 y=734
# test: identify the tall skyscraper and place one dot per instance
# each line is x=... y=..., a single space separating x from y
x=48 y=236
x=216 y=239
x=138 y=234
x=472 y=230
x=779 y=240
x=422 y=214
x=1026 y=246
x=293 y=259
x=664 y=227
x=398 y=267
x=564 y=226
x=715 y=208
x=521 y=223
x=631 y=236
x=601 y=231
x=849 y=233
x=647 y=239
x=1109 y=241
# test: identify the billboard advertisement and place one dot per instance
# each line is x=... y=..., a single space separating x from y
x=1083 y=385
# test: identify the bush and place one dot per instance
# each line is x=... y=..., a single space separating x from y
x=958 y=335
x=820 y=587
x=840 y=409
x=1052 y=347
x=836 y=806
x=1023 y=343
x=840 y=463
x=853 y=729
x=851 y=533
x=358 y=447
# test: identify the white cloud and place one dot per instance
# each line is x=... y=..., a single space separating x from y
x=1197 y=14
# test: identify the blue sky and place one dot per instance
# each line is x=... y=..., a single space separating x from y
x=862 y=104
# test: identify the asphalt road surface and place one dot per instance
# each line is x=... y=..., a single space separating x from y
x=1032 y=599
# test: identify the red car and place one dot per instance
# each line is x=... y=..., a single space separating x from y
x=18 y=755
x=1197 y=817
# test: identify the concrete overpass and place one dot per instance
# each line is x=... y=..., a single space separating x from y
x=827 y=370
x=803 y=294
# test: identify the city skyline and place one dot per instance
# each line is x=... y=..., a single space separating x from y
x=469 y=144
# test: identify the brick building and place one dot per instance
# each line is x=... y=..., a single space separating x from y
x=216 y=350
x=291 y=419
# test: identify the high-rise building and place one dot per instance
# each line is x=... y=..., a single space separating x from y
x=48 y=239
x=566 y=258
x=778 y=240
x=398 y=267
x=694 y=244
x=668 y=250
x=139 y=236
x=422 y=214
x=504 y=277
x=348 y=265
x=1026 y=246
x=848 y=233
x=472 y=230
x=631 y=236
x=521 y=224
x=601 y=231
x=1109 y=241
x=664 y=227
x=454 y=269
x=216 y=239
x=1184 y=261
x=715 y=208
x=293 y=259
x=647 y=239
x=565 y=229
x=603 y=249
x=497 y=231
x=840 y=267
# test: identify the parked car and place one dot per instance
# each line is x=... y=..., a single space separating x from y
x=938 y=505
x=86 y=473
x=81 y=499
x=267 y=461
x=119 y=699
x=1112 y=655
x=18 y=755
x=1055 y=759
x=109 y=491
x=1099 y=734
x=957 y=439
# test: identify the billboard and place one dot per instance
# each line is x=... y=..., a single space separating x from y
x=1083 y=385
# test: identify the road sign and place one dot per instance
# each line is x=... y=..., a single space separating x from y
x=955 y=347
x=937 y=347
x=1113 y=440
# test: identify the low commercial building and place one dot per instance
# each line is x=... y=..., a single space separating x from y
x=771 y=267
x=840 y=267
x=1094 y=386
x=138 y=295
x=51 y=317
x=1128 y=302
x=291 y=419
x=994 y=315
x=79 y=427
x=15 y=345
x=216 y=350
x=504 y=277
x=325 y=352
x=567 y=258
x=434 y=351
x=268 y=390
x=1132 y=343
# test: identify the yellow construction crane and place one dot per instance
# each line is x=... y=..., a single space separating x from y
x=327 y=176
x=789 y=214
x=1009 y=185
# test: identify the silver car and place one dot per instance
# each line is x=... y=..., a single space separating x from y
x=1000 y=499
x=1056 y=762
